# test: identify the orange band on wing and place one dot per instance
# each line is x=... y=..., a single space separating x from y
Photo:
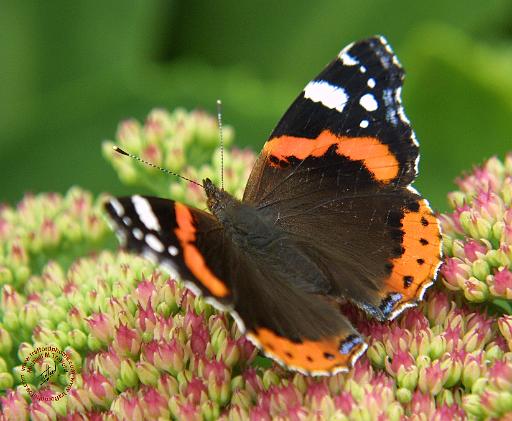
x=376 y=156
x=323 y=356
x=186 y=233
x=421 y=256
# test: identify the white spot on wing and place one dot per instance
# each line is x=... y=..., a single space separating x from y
x=153 y=242
x=146 y=215
x=332 y=97
x=137 y=233
x=363 y=124
x=347 y=59
x=127 y=220
x=173 y=251
x=118 y=208
x=362 y=69
x=371 y=83
x=368 y=102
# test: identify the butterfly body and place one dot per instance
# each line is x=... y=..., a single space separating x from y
x=328 y=215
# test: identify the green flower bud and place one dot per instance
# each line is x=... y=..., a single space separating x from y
x=6 y=381
x=129 y=373
x=404 y=395
x=147 y=373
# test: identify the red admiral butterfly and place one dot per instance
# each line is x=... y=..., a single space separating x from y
x=328 y=214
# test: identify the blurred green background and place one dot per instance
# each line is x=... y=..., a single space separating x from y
x=70 y=71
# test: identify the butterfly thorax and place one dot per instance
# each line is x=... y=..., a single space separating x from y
x=255 y=235
x=247 y=227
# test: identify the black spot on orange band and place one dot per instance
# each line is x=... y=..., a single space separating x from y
x=408 y=281
x=324 y=355
x=417 y=264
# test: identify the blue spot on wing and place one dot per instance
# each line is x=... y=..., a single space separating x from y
x=348 y=344
x=388 y=304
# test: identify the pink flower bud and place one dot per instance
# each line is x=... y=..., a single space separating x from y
x=14 y=406
x=431 y=379
x=253 y=382
x=186 y=411
x=101 y=326
x=129 y=134
x=127 y=407
x=127 y=341
x=145 y=293
x=149 y=350
x=11 y=299
x=501 y=284
x=500 y=374
x=146 y=318
x=422 y=403
x=454 y=272
x=153 y=154
x=474 y=250
x=489 y=205
x=316 y=393
x=397 y=339
x=475 y=290
x=247 y=350
x=170 y=356
x=154 y=404
x=259 y=414
x=100 y=390
x=163 y=327
x=42 y=409
x=400 y=361
x=505 y=326
x=414 y=320
x=199 y=339
x=218 y=379
x=196 y=391
x=49 y=233
x=472 y=371
x=344 y=402
x=478 y=332
x=167 y=385
x=438 y=307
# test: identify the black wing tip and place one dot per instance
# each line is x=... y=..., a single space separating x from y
x=379 y=46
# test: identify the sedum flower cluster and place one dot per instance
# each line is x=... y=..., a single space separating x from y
x=478 y=235
x=144 y=347
x=186 y=143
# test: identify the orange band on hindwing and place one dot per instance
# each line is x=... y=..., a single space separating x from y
x=326 y=355
x=376 y=156
x=186 y=233
x=421 y=253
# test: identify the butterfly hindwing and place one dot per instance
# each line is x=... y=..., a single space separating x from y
x=299 y=329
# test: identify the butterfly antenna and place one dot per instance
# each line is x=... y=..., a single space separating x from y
x=123 y=152
x=219 y=120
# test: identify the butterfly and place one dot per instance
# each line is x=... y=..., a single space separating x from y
x=328 y=215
